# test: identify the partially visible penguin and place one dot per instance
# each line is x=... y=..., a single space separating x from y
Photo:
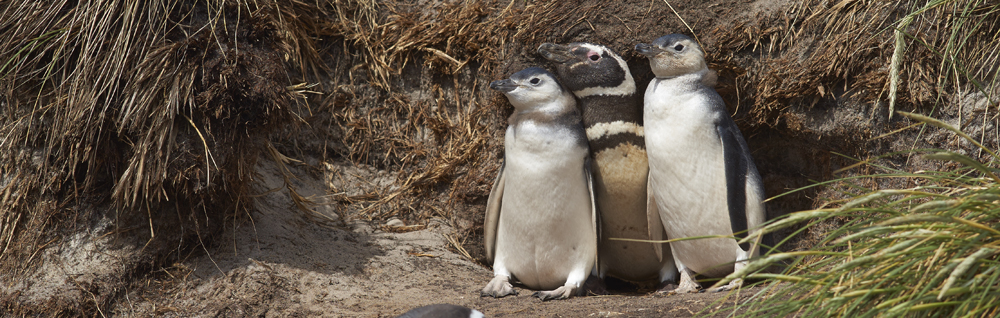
x=540 y=223
x=442 y=311
x=612 y=115
x=701 y=176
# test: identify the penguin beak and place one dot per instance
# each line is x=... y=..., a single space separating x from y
x=555 y=52
x=648 y=50
x=504 y=85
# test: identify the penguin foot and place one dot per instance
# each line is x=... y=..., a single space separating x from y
x=559 y=293
x=685 y=290
x=666 y=287
x=687 y=284
x=595 y=286
x=734 y=284
x=498 y=287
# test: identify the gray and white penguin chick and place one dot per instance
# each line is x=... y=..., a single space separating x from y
x=701 y=175
x=442 y=311
x=540 y=219
x=612 y=115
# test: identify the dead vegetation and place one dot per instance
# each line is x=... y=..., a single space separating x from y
x=918 y=54
x=154 y=110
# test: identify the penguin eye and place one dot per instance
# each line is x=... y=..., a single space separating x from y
x=535 y=80
x=679 y=47
x=595 y=57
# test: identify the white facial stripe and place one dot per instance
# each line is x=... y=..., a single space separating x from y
x=529 y=96
x=627 y=87
x=613 y=128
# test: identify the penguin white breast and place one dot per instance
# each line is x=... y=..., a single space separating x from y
x=687 y=172
x=545 y=228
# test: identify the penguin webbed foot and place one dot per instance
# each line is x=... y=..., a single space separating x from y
x=687 y=283
x=559 y=293
x=498 y=287
x=734 y=284
x=595 y=286
x=666 y=287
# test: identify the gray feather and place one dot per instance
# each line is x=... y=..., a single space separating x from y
x=493 y=205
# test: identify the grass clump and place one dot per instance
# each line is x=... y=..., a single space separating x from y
x=927 y=250
x=151 y=113
x=907 y=243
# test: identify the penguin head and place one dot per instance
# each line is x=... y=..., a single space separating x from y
x=589 y=69
x=673 y=55
x=531 y=88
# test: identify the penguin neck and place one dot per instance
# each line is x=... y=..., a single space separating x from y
x=698 y=78
x=612 y=120
x=626 y=87
x=562 y=109
x=604 y=109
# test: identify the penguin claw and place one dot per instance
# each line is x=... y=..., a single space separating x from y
x=595 y=286
x=719 y=289
x=685 y=290
x=498 y=287
x=559 y=293
x=736 y=283
x=666 y=287
x=687 y=283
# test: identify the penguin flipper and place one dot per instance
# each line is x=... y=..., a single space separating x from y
x=594 y=215
x=735 y=152
x=493 y=205
x=653 y=220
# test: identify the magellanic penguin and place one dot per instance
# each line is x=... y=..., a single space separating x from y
x=541 y=225
x=442 y=311
x=612 y=115
x=701 y=176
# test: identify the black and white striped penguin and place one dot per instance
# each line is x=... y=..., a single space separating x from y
x=540 y=223
x=612 y=115
x=442 y=311
x=701 y=175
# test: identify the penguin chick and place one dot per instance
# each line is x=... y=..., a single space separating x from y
x=442 y=311
x=612 y=116
x=540 y=219
x=701 y=175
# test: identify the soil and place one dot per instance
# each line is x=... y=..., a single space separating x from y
x=287 y=263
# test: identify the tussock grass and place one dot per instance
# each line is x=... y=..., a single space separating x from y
x=926 y=250
x=146 y=106
x=442 y=135
x=914 y=53
x=142 y=106
x=928 y=245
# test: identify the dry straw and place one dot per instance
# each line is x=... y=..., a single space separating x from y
x=926 y=250
x=139 y=107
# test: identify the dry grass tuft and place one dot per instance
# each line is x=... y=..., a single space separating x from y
x=927 y=250
x=828 y=50
x=146 y=106
x=443 y=135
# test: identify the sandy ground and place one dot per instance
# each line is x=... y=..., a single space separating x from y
x=288 y=263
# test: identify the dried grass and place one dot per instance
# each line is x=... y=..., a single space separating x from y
x=926 y=250
x=140 y=105
x=443 y=136
x=828 y=50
